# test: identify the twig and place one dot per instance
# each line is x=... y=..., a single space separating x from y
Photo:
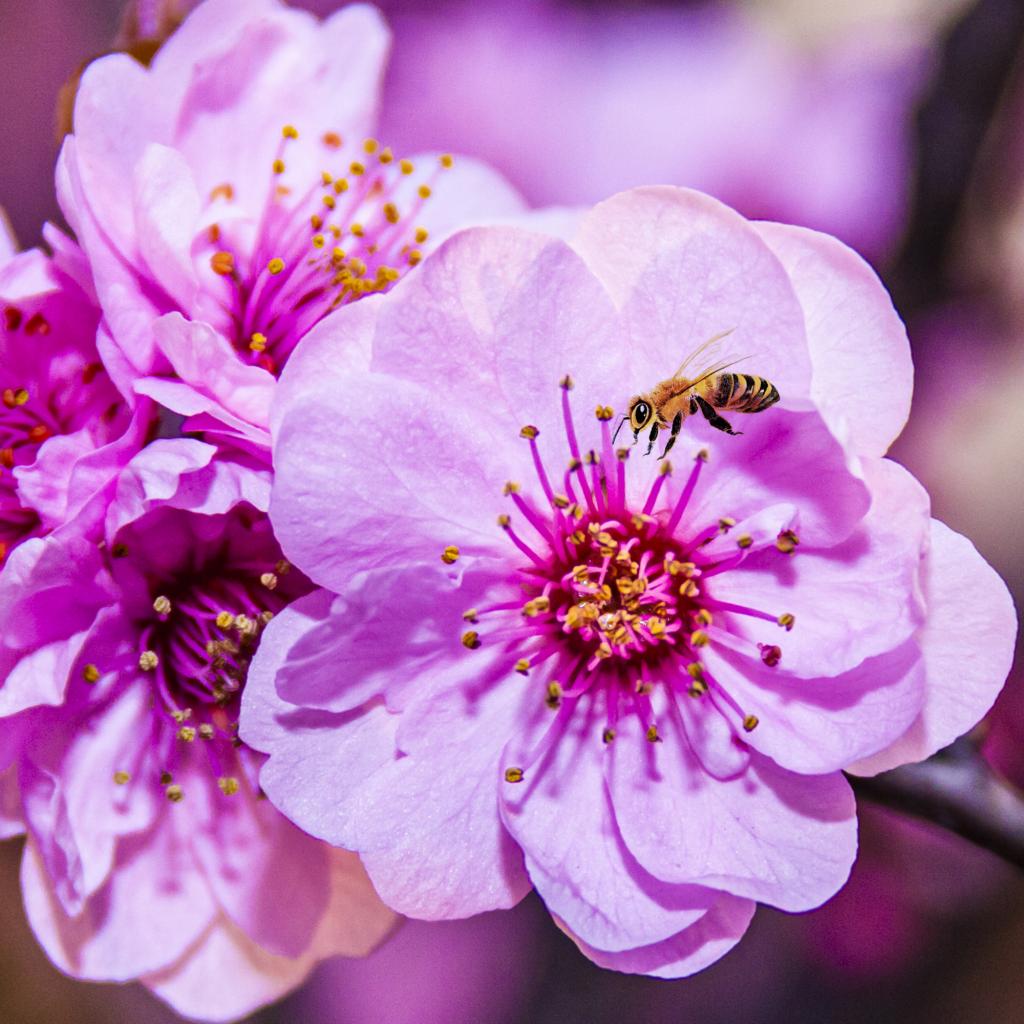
x=959 y=792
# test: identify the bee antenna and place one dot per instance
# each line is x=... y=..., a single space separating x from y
x=618 y=428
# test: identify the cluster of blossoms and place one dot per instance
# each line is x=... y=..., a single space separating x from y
x=267 y=681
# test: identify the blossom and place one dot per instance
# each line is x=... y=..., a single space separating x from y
x=151 y=852
x=259 y=203
x=539 y=660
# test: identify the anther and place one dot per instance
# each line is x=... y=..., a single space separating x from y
x=187 y=734
x=162 y=605
x=787 y=541
x=206 y=731
x=13 y=398
x=688 y=588
x=786 y=621
x=450 y=555
x=228 y=785
x=622 y=454
x=269 y=580
x=276 y=265
x=91 y=673
x=37 y=324
x=750 y=723
x=726 y=523
x=522 y=666
x=504 y=521
x=529 y=432
x=566 y=383
x=643 y=687
x=174 y=793
x=771 y=654
x=258 y=342
x=554 y=696
x=122 y=778
x=289 y=131
x=604 y=412
x=652 y=735
x=704 y=617
x=608 y=735
x=446 y=161
x=703 y=455
x=148 y=661
x=471 y=639
x=331 y=139
x=470 y=615
x=424 y=191
x=744 y=542
x=560 y=501
x=537 y=606
x=224 y=620
x=698 y=638
x=510 y=488
x=223 y=263
x=277 y=166
x=514 y=774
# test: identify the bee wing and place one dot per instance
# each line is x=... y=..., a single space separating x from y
x=701 y=349
x=718 y=368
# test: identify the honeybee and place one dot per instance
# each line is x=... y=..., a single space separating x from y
x=669 y=403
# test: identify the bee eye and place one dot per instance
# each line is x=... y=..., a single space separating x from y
x=641 y=414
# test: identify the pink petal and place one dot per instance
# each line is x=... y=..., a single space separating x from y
x=853 y=601
x=561 y=816
x=150 y=911
x=686 y=953
x=683 y=267
x=967 y=643
x=862 y=371
x=783 y=839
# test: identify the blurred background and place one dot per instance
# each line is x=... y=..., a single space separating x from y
x=897 y=125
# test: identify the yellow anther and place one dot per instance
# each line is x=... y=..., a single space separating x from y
x=537 y=606
x=122 y=778
x=331 y=139
x=269 y=580
x=514 y=774
x=554 y=695
x=704 y=617
x=187 y=734
x=665 y=468
x=223 y=263
x=446 y=160
x=703 y=455
x=450 y=555
x=162 y=605
x=276 y=265
x=471 y=639
x=608 y=735
x=414 y=257
x=391 y=214
x=182 y=716
x=522 y=666
x=289 y=131
x=511 y=487
x=91 y=674
x=604 y=412
x=504 y=521
x=786 y=620
x=560 y=501
x=422 y=234
x=318 y=241
x=652 y=735
x=386 y=156
x=258 y=342
x=356 y=168
x=223 y=191
x=423 y=191
x=529 y=432
x=358 y=230
x=340 y=186
x=206 y=731
x=698 y=688
x=603 y=651
x=744 y=542
x=174 y=793
x=406 y=166
x=643 y=687
x=566 y=383
x=695 y=670
x=698 y=638
x=370 y=146
x=622 y=454
x=577 y=537
x=656 y=626
x=224 y=620
x=228 y=785
x=604 y=537
x=787 y=541
x=750 y=723
x=688 y=589
x=470 y=615
x=148 y=661
x=726 y=523
x=278 y=166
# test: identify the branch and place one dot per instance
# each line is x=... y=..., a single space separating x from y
x=959 y=792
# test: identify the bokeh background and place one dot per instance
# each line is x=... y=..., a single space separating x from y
x=897 y=125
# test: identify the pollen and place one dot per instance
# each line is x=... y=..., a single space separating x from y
x=422 y=234
x=726 y=523
x=223 y=263
x=278 y=166
x=450 y=555
x=744 y=542
x=522 y=666
x=391 y=214
x=91 y=673
x=787 y=542
x=289 y=131
x=470 y=615
x=206 y=731
x=258 y=342
x=514 y=774
x=174 y=793
x=787 y=620
x=529 y=432
x=414 y=257
x=446 y=160
x=224 y=620
x=471 y=639
x=228 y=785
x=122 y=778
x=269 y=580
x=276 y=265
x=13 y=398
x=698 y=638
x=652 y=735
x=604 y=412
x=608 y=735
x=187 y=734
x=148 y=661
x=162 y=605
x=750 y=723
x=554 y=695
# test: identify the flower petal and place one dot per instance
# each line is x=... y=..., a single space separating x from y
x=968 y=604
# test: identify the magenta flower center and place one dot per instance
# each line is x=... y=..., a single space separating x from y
x=621 y=597
x=320 y=242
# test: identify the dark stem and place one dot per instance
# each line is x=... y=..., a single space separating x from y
x=959 y=792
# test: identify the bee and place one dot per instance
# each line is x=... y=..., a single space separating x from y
x=669 y=403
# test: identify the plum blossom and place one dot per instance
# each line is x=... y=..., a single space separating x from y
x=538 y=660
x=151 y=851
x=257 y=201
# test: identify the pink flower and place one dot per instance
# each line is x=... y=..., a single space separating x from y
x=151 y=851
x=637 y=691
x=255 y=205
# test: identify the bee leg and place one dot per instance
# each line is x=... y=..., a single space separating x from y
x=718 y=422
x=636 y=437
x=676 y=424
x=624 y=420
x=651 y=438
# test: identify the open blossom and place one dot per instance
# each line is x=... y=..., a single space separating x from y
x=256 y=203
x=539 y=660
x=152 y=853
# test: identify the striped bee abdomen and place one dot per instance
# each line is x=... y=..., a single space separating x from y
x=743 y=392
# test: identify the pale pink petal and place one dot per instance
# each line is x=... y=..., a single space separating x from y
x=149 y=912
x=967 y=604
x=561 y=815
x=686 y=953
x=860 y=355
x=783 y=839
x=683 y=267
x=853 y=601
